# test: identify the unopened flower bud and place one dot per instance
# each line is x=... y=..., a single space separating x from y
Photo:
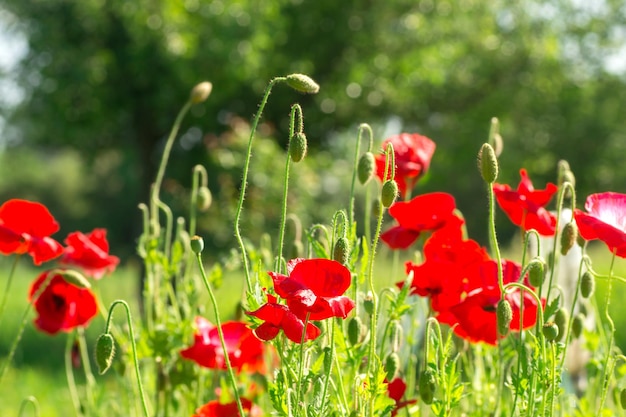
x=368 y=303
x=488 y=163
x=504 y=315
x=73 y=277
x=568 y=237
x=297 y=146
x=389 y=193
x=622 y=398
x=561 y=317
x=366 y=167
x=204 y=199
x=197 y=244
x=550 y=331
x=356 y=330
x=392 y=365
x=105 y=352
x=587 y=284
x=341 y=252
x=536 y=272
x=302 y=83
x=201 y=92
x=577 y=325
x=427 y=386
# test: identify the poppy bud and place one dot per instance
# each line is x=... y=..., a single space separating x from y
x=622 y=398
x=504 y=314
x=488 y=163
x=341 y=252
x=550 y=331
x=197 y=244
x=200 y=92
x=396 y=336
x=536 y=272
x=427 y=386
x=297 y=146
x=577 y=325
x=302 y=83
x=377 y=207
x=568 y=237
x=560 y=319
x=204 y=199
x=73 y=277
x=587 y=284
x=368 y=303
x=389 y=193
x=105 y=352
x=366 y=167
x=356 y=330
x=392 y=365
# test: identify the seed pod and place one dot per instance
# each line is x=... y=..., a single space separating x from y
x=622 y=398
x=298 y=147
x=504 y=315
x=105 y=352
x=356 y=330
x=550 y=331
x=204 y=199
x=366 y=167
x=302 y=83
x=426 y=386
x=200 y=92
x=392 y=365
x=341 y=252
x=587 y=284
x=488 y=163
x=568 y=237
x=197 y=244
x=560 y=319
x=577 y=325
x=536 y=272
x=389 y=193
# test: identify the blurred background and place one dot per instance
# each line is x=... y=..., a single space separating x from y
x=89 y=90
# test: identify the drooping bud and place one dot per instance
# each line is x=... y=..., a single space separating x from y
x=536 y=272
x=568 y=237
x=389 y=193
x=200 y=92
x=204 y=199
x=561 y=317
x=504 y=315
x=341 y=252
x=197 y=244
x=302 y=83
x=488 y=163
x=577 y=325
x=392 y=365
x=297 y=146
x=366 y=167
x=427 y=386
x=587 y=284
x=105 y=352
x=356 y=330
x=73 y=277
x=550 y=331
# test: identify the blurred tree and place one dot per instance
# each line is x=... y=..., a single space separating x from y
x=106 y=77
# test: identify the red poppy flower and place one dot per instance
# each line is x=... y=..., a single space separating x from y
x=476 y=314
x=413 y=153
x=396 y=390
x=315 y=288
x=61 y=306
x=605 y=220
x=245 y=351
x=90 y=252
x=427 y=212
x=278 y=317
x=25 y=227
x=216 y=409
x=525 y=206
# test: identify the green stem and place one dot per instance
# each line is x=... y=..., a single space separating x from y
x=220 y=333
x=301 y=365
x=29 y=400
x=84 y=355
x=330 y=369
x=69 y=374
x=606 y=377
x=244 y=179
x=131 y=332
x=493 y=237
x=363 y=127
x=5 y=296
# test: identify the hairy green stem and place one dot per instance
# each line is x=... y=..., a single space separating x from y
x=69 y=374
x=5 y=296
x=364 y=127
x=29 y=400
x=606 y=375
